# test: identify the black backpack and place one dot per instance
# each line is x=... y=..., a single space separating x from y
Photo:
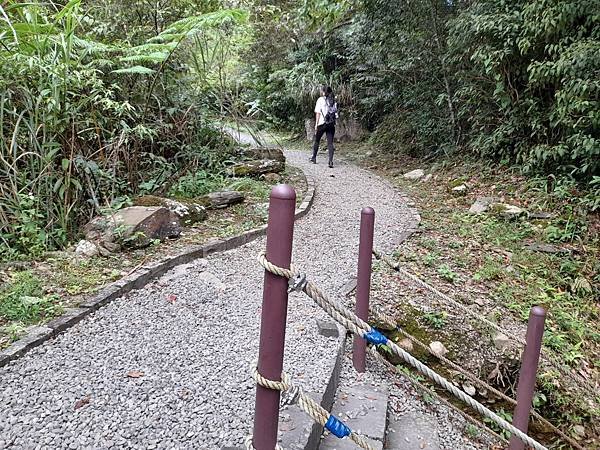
x=332 y=112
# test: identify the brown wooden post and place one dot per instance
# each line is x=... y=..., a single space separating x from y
x=363 y=282
x=527 y=375
x=280 y=234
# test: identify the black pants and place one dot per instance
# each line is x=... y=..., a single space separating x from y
x=329 y=130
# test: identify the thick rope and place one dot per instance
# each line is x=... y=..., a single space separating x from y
x=446 y=298
x=382 y=317
x=544 y=355
x=435 y=394
x=359 y=327
x=307 y=404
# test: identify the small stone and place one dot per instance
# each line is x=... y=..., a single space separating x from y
x=406 y=344
x=501 y=341
x=507 y=211
x=579 y=431
x=438 y=348
x=427 y=178
x=460 y=190
x=481 y=205
x=414 y=174
x=87 y=249
x=469 y=389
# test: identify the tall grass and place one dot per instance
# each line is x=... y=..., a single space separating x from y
x=83 y=122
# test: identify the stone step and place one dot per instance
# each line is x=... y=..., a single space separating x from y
x=412 y=431
x=363 y=408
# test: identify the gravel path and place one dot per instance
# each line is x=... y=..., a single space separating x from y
x=148 y=371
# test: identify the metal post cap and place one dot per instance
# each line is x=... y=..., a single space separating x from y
x=283 y=192
x=367 y=210
x=538 y=311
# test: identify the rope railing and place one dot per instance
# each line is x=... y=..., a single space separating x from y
x=545 y=356
x=312 y=408
x=445 y=297
x=359 y=327
x=380 y=316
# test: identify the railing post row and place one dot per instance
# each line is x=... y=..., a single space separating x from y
x=280 y=235
x=528 y=372
x=363 y=282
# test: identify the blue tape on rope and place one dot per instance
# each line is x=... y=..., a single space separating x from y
x=375 y=337
x=337 y=427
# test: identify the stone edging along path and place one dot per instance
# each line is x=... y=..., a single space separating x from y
x=137 y=280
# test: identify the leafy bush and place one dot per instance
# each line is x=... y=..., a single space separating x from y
x=23 y=300
x=529 y=77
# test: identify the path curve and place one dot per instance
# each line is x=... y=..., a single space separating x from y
x=195 y=352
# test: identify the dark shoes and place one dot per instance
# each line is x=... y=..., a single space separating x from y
x=330 y=164
x=313 y=160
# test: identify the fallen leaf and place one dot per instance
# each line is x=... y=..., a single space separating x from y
x=171 y=298
x=135 y=374
x=82 y=402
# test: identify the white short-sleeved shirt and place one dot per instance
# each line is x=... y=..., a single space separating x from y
x=321 y=108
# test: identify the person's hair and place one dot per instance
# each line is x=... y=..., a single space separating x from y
x=328 y=93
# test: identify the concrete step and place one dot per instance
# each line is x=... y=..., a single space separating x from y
x=412 y=431
x=364 y=409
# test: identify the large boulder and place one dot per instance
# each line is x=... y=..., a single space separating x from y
x=222 y=199
x=189 y=213
x=136 y=226
x=256 y=168
x=255 y=153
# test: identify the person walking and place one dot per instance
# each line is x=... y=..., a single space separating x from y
x=326 y=114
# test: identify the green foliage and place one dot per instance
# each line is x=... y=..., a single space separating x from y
x=529 y=77
x=447 y=274
x=23 y=300
x=197 y=184
x=86 y=118
x=435 y=319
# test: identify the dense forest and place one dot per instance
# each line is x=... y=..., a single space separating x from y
x=100 y=101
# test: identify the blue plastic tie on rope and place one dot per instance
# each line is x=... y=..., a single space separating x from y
x=375 y=337
x=337 y=427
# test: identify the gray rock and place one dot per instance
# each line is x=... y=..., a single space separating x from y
x=222 y=199
x=135 y=226
x=438 y=348
x=460 y=190
x=501 y=341
x=87 y=249
x=254 y=153
x=546 y=248
x=540 y=215
x=414 y=175
x=256 y=168
x=482 y=204
x=189 y=213
x=507 y=211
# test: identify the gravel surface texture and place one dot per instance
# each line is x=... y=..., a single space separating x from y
x=168 y=366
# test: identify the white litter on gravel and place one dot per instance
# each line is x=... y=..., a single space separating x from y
x=168 y=366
